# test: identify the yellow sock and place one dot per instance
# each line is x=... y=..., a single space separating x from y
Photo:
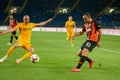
x=10 y=51
x=27 y=55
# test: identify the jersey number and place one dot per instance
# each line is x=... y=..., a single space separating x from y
x=88 y=44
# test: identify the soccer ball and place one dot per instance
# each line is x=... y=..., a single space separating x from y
x=34 y=58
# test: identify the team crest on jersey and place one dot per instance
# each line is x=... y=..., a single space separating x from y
x=88 y=27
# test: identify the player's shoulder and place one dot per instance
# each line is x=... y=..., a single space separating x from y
x=73 y=21
x=20 y=24
x=95 y=21
x=97 y=24
x=31 y=23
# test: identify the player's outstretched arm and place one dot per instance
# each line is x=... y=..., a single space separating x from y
x=79 y=33
x=8 y=28
x=8 y=31
x=45 y=22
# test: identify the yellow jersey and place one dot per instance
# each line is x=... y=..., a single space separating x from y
x=70 y=25
x=25 y=31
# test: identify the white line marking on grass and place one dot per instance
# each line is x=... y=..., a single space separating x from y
x=108 y=50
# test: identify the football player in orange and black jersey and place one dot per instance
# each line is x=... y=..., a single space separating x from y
x=93 y=31
x=12 y=24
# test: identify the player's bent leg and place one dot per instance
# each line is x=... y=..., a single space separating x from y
x=80 y=53
x=72 y=40
x=91 y=64
x=16 y=45
x=85 y=52
x=68 y=36
x=11 y=39
x=90 y=61
x=82 y=60
x=12 y=48
x=15 y=36
x=27 y=55
x=77 y=69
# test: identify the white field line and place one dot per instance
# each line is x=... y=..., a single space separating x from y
x=108 y=50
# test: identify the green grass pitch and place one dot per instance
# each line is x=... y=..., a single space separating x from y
x=57 y=58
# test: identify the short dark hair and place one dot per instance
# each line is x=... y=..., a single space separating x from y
x=87 y=14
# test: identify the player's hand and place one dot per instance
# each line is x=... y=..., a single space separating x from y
x=86 y=25
x=98 y=44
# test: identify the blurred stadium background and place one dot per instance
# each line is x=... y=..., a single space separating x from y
x=107 y=12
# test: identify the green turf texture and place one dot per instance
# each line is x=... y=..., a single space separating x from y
x=57 y=58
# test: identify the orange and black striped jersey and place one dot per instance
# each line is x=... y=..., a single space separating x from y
x=92 y=30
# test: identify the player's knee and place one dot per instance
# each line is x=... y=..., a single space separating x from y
x=31 y=50
x=72 y=37
x=85 y=52
x=16 y=45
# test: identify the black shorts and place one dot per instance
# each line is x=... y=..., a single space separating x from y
x=14 y=32
x=89 y=45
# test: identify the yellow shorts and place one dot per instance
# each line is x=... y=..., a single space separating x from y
x=24 y=44
x=70 y=34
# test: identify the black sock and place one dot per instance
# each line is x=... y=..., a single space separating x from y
x=16 y=37
x=11 y=39
x=82 y=60
x=88 y=59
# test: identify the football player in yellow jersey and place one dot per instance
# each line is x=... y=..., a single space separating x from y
x=70 y=27
x=23 y=41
